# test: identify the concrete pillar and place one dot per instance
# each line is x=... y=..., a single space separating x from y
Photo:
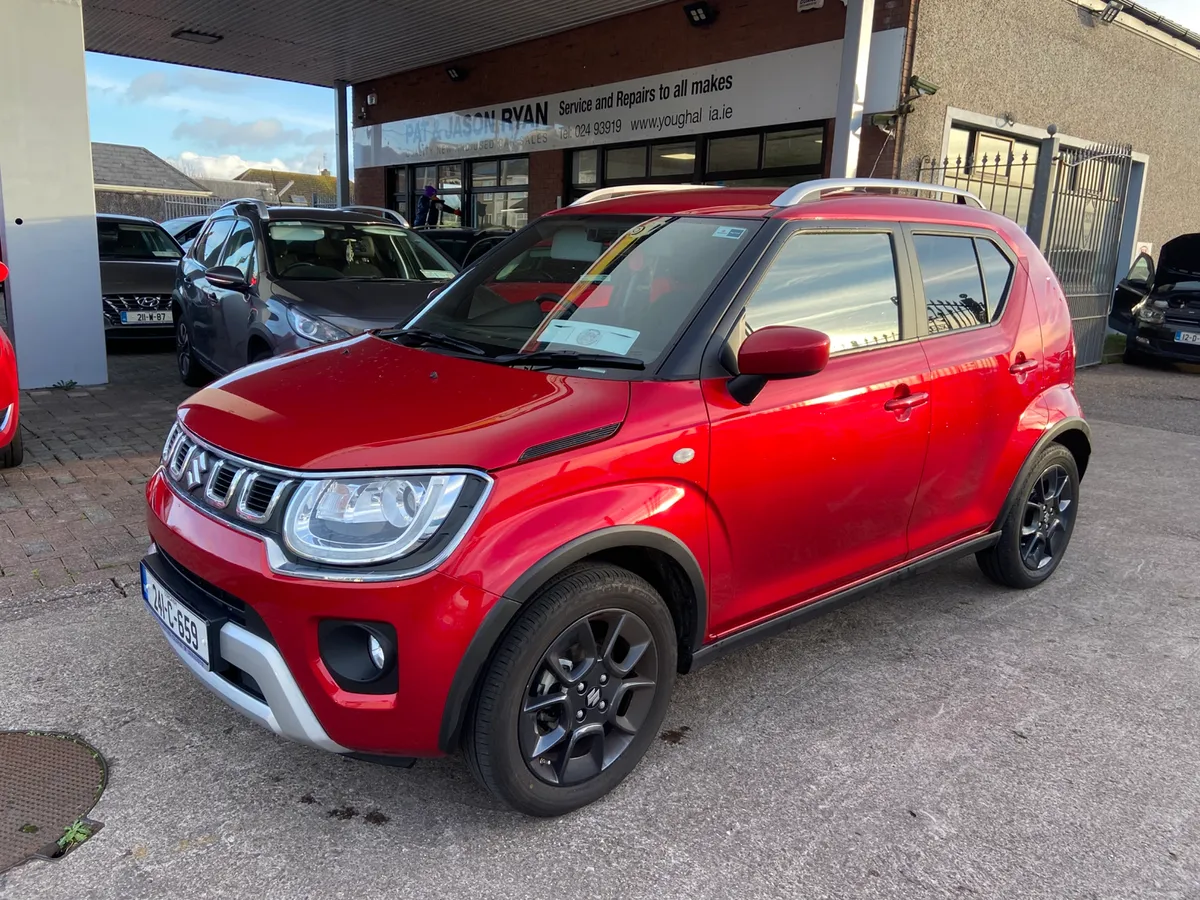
x=852 y=88
x=47 y=204
x=342 y=131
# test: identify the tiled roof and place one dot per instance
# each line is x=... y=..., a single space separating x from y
x=291 y=185
x=117 y=165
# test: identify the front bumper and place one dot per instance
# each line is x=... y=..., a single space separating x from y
x=276 y=703
x=1159 y=342
x=138 y=332
x=271 y=635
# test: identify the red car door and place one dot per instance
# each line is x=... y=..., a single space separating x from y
x=983 y=341
x=813 y=482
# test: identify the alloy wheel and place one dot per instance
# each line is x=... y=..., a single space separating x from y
x=183 y=349
x=1049 y=515
x=588 y=697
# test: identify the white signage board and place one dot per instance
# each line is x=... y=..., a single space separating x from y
x=797 y=85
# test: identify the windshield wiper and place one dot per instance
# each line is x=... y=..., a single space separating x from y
x=420 y=336
x=570 y=359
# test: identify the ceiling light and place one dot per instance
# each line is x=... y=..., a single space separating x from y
x=682 y=155
x=456 y=73
x=196 y=37
x=700 y=14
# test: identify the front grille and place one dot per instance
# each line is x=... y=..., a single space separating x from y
x=119 y=303
x=1193 y=321
x=226 y=487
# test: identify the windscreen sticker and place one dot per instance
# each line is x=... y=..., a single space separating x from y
x=586 y=336
x=729 y=231
x=437 y=273
x=171 y=253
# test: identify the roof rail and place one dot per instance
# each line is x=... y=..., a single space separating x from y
x=631 y=190
x=810 y=191
x=258 y=204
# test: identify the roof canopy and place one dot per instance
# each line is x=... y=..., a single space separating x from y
x=323 y=41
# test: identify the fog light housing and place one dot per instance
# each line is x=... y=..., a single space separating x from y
x=359 y=656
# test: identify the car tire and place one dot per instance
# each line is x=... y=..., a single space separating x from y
x=1037 y=530
x=1132 y=357
x=191 y=371
x=260 y=355
x=512 y=750
x=11 y=456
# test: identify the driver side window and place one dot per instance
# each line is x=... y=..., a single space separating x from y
x=1142 y=271
x=208 y=248
x=239 y=250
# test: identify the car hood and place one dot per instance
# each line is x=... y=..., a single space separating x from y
x=1179 y=260
x=368 y=403
x=149 y=277
x=356 y=306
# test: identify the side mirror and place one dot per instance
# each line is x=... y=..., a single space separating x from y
x=3 y=272
x=228 y=277
x=776 y=352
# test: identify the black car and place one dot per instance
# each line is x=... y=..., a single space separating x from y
x=259 y=281
x=466 y=245
x=138 y=260
x=184 y=229
x=1158 y=308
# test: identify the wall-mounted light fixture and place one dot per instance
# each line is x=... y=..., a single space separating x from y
x=700 y=14
x=372 y=98
x=196 y=37
x=456 y=73
x=1111 y=10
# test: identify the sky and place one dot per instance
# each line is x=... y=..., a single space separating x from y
x=215 y=125
x=210 y=124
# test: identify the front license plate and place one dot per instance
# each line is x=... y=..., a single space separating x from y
x=140 y=317
x=1187 y=337
x=184 y=625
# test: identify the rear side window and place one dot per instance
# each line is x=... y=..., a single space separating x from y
x=842 y=284
x=965 y=280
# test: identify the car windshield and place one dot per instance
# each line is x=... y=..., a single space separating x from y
x=615 y=286
x=135 y=241
x=369 y=251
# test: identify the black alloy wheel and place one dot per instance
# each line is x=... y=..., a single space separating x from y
x=588 y=697
x=575 y=691
x=1049 y=515
x=191 y=370
x=1037 y=528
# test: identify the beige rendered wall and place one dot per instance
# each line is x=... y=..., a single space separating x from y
x=1051 y=61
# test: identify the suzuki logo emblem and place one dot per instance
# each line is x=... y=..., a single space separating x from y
x=193 y=476
x=593 y=697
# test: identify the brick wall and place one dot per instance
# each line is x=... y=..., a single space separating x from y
x=546 y=179
x=370 y=187
x=644 y=43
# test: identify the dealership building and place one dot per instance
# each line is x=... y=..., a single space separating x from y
x=1077 y=118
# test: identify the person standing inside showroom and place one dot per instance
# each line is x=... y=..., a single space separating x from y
x=430 y=207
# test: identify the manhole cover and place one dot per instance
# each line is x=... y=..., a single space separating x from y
x=48 y=784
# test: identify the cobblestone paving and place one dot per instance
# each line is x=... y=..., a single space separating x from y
x=73 y=513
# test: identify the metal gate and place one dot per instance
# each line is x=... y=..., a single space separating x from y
x=1087 y=211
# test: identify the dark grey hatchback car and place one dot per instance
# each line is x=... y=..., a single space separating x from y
x=259 y=281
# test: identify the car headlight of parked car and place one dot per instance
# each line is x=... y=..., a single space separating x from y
x=368 y=520
x=312 y=328
x=1150 y=314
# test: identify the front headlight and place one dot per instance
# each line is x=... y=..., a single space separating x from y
x=365 y=521
x=1151 y=315
x=312 y=328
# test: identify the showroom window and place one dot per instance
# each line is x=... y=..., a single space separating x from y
x=779 y=156
x=997 y=168
x=487 y=193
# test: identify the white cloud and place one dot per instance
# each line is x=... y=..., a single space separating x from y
x=230 y=165
x=219 y=133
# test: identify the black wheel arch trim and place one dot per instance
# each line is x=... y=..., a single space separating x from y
x=1050 y=436
x=500 y=616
